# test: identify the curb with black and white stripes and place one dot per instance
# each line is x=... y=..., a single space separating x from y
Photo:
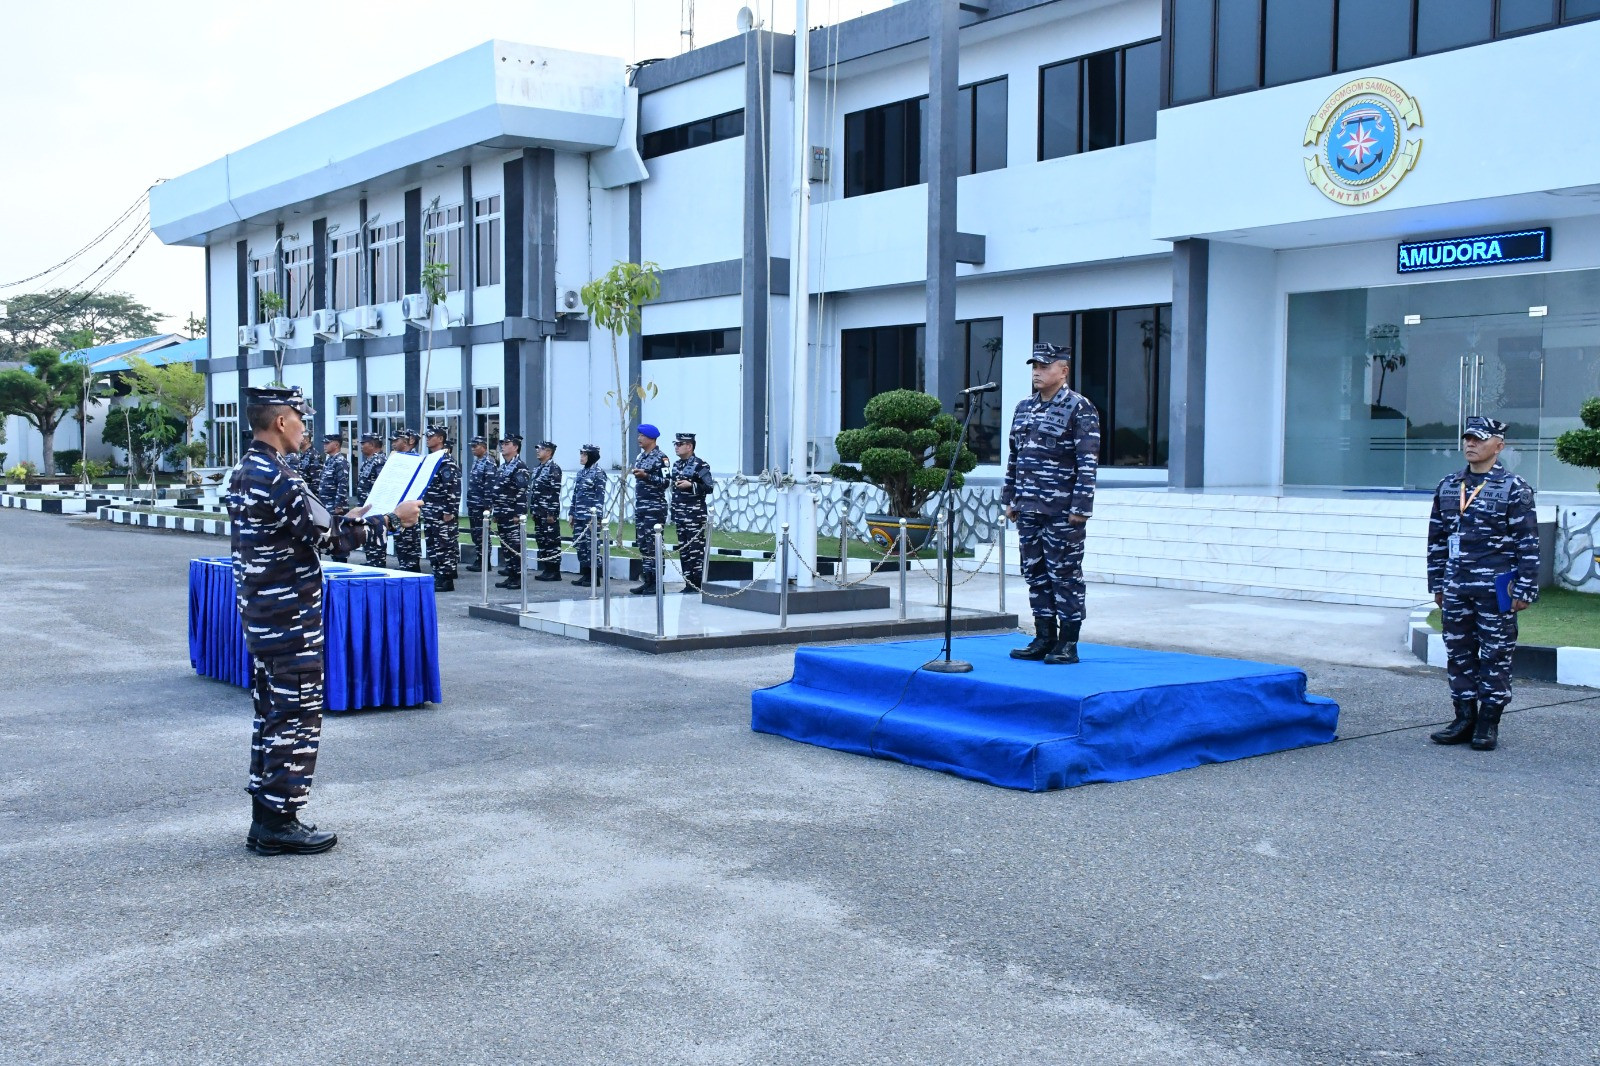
x=1535 y=662
x=216 y=527
x=55 y=505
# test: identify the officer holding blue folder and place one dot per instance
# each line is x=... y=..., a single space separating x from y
x=1483 y=567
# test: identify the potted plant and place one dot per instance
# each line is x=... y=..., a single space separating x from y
x=1578 y=528
x=904 y=449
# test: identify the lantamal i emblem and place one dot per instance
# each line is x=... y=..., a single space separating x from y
x=1364 y=141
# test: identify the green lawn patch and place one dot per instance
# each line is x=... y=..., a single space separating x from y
x=826 y=546
x=1561 y=619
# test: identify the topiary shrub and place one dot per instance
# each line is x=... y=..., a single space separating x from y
x=904 y=449
x=1581 y=447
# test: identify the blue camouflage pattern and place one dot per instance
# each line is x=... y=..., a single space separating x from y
x=441 y=516
x=689 y=514
x=1050 y=477
x=480 y=498
x=408 y=542
x=544 y=504
x=376 y=551
x=333 y=490
x=588 y=496
x=510 y=504
x=649 y=508
x=1499 y=534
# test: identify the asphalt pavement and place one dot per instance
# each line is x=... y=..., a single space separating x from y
x=584 y=855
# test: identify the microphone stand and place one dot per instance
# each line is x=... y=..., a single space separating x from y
x=948 y=665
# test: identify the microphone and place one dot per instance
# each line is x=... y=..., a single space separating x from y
x=981 y=388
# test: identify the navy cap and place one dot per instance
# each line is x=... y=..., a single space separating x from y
x=371 y=438
x=1481 y=428
x=683 y=438
x=512 y=438
x=438 y=431
x=548 y=444
x=279 y=396
x=329 y=438
x=405 y=434
x=590 y=449
x=1045 y=354
x=648 y=430
x=478 y=440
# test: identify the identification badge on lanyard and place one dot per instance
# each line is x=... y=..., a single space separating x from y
x=1455 y=545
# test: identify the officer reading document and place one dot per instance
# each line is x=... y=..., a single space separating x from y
x=278 y=528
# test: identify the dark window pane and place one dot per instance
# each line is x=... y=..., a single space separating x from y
x=855 y=153
x=698 y=133
x=917 y=131
x=1452 y=23
x=1299 y=40
x=985 y=340
x=894 y=150
x=1190 y=29
x=1135 y=372
x=1373 y=31
x=964 y=108
x=1578 y=9
x=1141 y=92
x=1163 y=382
x=1058 y=110
x=1100 y=101
x=1053 y=329
x=1238 y=45
x=855 y=365
x=1093 y=366
x=989 y=126
x=1518 y=15
x=730 y=125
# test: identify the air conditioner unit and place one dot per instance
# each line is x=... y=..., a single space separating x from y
x=247 y=336
x=283 y=329
x=568 y=302
x=362 y=321
x=325 y=323
x=415 y=308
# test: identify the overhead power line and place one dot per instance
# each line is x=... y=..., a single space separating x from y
x=98 y=238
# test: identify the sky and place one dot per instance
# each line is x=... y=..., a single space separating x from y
x=102 y=98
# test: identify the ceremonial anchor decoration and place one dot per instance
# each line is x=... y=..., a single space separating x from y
x=1364 y=140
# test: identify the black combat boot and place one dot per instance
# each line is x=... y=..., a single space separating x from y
x=512 y=581
x=583 y=578
x=1486 y=734
x=1065 y=651
x=274 y=833
x=646 y=589
x=475 y=568
x=1460 y=730
x=444 y=584
x=1044 y=637
x=548 y=572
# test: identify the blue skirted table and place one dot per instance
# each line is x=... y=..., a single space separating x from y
x=381 y=629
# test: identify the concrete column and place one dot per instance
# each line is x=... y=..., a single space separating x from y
x=942 y=376
x=1191 y=270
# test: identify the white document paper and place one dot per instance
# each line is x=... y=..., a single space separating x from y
x=403 y=477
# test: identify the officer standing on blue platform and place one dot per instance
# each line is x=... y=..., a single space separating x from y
x=376 y=551
x=691 y=483
x=480 y=493
x=510 y=509
x=588 y=496
x=333 y=485
x=1049 y=494
x=544 y=504
x=441 y=512
x=1483 y=568
x=408 y=541
x=278 y=528
x=650 y=505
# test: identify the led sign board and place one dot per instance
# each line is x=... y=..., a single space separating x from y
x=1478 y=250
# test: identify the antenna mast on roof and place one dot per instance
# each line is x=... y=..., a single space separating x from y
x=686 y=25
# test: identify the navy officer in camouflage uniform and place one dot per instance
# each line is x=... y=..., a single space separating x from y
x=408 y=541
x=1049 y=494
x=691 y=483
x=333 y=485
x=650 y=505
x=441 y=513
x=588 y=496
x=480 y=494
x=510 y=506
x=1483 y=568
x=544 y=503
x=278 y=527
x=376 y=550
x=311 y=461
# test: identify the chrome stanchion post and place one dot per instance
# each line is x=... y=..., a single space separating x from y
x=1001 y=549
x=661 y=584
x=940 y=516
x=844 y=543
x=783 y=579
x=705 y=550
x=605 y=580
x=487 y=554
x=904 y=566
x=594 y=552
x=522 y=532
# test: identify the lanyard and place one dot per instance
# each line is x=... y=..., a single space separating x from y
x=1467 y=501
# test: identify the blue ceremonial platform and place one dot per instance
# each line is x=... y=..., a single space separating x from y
x=1118 y=715
x=381 y=629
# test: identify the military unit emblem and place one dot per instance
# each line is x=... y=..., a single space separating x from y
x=1364 y=141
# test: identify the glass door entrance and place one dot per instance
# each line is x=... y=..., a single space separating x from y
x=1381 y=381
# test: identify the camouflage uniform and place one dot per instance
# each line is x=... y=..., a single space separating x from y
x=510 y=505
x=1498 y=534
x=333 y=489
x=689 y=513
x=376 y=551
x=441 y=515
x=544 y=504
x=311 y=464
x=408 y=542
x=588 y=496
x=279 y=585
x=1050 y=476
x=649 y=509
x=480 y=494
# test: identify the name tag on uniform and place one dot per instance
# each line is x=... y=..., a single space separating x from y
x=1455 y=545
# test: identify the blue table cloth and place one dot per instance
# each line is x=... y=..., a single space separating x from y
x=381 y=629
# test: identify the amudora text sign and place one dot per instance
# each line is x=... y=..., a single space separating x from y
x=1481 y=249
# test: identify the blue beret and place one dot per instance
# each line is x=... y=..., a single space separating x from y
x=650 y=431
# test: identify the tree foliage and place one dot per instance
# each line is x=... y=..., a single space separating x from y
x=1581 y=447
x=904 y=449
x=145 y=431
x=615 y=302
x=44 y=390
x=51 y=318
x=180 y=389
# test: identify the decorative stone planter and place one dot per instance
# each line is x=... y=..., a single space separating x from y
x=1578 y=548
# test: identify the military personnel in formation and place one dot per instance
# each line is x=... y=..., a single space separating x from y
x=544 y=504
x=311 y=461
x=408 y=541
x=480 y=494
x=510 y=504
x=1483 y=568
x=691 y=483
x=650 y=504
x=294 y=460
x=376 y=551
x=441 y=513
x=1049 y=494
x=333 y=486
x=588 y=497
x=278 y=528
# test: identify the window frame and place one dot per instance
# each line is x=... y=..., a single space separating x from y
x=488 y=220
x=261 y=267
x=344 y=272
x=225 y=445
x=694 y=134
x=1156 y=404
x=487 y=416
x=687 y=344
x=445 y=227
x=386 y=241
x=1119 y=59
